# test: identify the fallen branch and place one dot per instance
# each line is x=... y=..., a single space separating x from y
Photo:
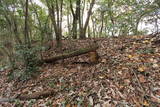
x=12 y=99
x=71 y=54
x=7 y=100
x=37 y=95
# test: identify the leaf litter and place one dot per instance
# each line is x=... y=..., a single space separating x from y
x=127 y=75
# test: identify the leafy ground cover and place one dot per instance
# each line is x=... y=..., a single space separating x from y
x=128 y=74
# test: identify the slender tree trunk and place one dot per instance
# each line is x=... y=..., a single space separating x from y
x=26 y=36
x=89 y=32
x=39 y=23
x=56 y=20
x=83 y=30
x=26 y=30
x=68 y=22
x=93 y=27
x=102 y=24
x=75 y=18
x=82 y=13
x=80 y=19
x=136 y=28
x=58 y=32
x=61 y=16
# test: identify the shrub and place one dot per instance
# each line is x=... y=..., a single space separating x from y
x=26 y=63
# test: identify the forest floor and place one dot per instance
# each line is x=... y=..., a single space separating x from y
x=127 y=75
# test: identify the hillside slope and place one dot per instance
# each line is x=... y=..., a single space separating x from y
x=128 y=74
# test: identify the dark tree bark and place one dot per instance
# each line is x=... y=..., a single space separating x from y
x=93 y=27
x=84 y=28
x=26 y=36
x=26 y=30
x=75 y=18
x=89 y=32
x=68 y=21
x=55 y=12
x=102 y=24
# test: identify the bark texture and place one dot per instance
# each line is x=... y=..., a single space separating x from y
x=71 y=54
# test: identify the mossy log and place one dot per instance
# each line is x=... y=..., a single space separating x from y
x=71 y=54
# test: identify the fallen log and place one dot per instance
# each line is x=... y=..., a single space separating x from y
x=37 y=95
x=7 y=100
x=71 y=54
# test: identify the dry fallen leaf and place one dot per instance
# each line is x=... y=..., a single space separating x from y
x=136 y=102
x=134 y=43
x=145 y=103
x=155 y=99
x=130 y=56
x=124 y=68
x=127 y=81
x=106 y=104
x=91 y=100
x=142 y=69
x=155 y=66
x=146 y=41
x=101 y=77
x=104 y=61
x=68 y=105
x=142 y=78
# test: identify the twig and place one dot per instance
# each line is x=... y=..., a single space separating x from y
x=142 y=89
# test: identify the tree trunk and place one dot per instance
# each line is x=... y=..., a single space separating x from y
x=83 y=30
x=93 y=27
x=26 y=30
x=56 y=21
x=75 y=18
x=102 y=24
x=68 y=22
x=89 y=32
